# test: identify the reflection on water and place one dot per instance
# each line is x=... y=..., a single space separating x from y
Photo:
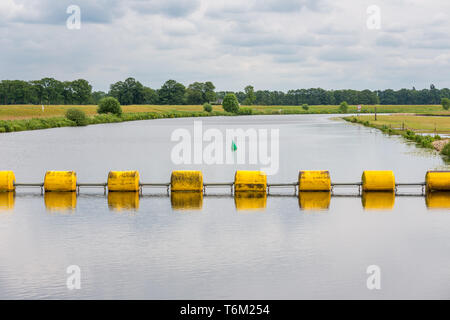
x=378 y=200
x=217 y=254
x=438 y=200
x=314 y=200
x=7 y=200
x=186 y=200
x=61 y=202
x=119 y=201
x=250 y=200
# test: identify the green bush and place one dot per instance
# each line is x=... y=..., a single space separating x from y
x=207 y=107
x=245 y=111
x=109 y=105
x=446 y=150
x=446 y=103
x=305 y=106
x=230 y=103
x=78 y=116
x=343 y=107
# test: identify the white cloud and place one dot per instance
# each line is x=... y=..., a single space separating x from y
x=271 y=44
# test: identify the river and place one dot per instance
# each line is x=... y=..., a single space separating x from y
x=158 y=246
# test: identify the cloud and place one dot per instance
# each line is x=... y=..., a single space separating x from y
x=271 y=44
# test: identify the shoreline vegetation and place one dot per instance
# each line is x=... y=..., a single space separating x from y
x=413 y=132
x=14 y=118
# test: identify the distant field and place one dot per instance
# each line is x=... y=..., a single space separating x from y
x=430 y=124
x=16 y=112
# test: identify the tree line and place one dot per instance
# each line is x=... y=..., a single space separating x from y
x=131 y=91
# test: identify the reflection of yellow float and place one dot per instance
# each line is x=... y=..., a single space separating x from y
x=250 y=200
x=60 y=201
x=7 y=200
x=438 y=200
x=123 y=201
x=378 y=200
x=186 y=200
x=319 y=200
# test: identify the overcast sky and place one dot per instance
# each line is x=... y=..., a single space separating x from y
x=275 y=45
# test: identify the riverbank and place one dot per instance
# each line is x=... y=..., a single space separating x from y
x=424 y=141
x=26 y=117
x=22 y=112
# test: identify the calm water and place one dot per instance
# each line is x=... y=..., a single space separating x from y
x=288 y=248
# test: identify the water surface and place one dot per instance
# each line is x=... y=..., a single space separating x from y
x=149 y=247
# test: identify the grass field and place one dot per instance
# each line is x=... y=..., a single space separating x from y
x=18 y=112
x=431 y=124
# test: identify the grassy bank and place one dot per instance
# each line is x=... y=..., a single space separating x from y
x=425 y=141
x=21 y=112
x=434 y=124
x=27 y=117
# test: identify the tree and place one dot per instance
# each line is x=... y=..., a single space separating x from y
x=194 y=93
x=171 y=92
x=305 y=106
x=97 y=96
x=207 y=107
x=445 y=103
x=128 y=92
x=209 y=95
x=249 y=95
x=230 y=103
x=81 y=91
x=150 y=96
x=77 y=116
x=343 y=108
x=198 y=93
x=109 y=105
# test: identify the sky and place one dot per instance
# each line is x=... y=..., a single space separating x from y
x=270 y=44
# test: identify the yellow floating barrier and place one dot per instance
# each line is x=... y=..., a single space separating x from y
x=61 y=181
x=60 y=201
x=7 y=180
x=319 y=200
x=378 y=181
x=378 y=200
x=120 y=201
x=250 y=200
x=255 y=181
x=438 y=180
x=186 y=180
x=7 y=200
x=186 y=200
x=438 y=200
x=123 y=181
x=314 y=181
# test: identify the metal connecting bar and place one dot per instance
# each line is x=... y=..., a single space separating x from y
x=282 y=185
x=218 y=185
x=39 y=185
x=155 y=185
x=420 y=184
x=346 y=184
x=91 y=185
